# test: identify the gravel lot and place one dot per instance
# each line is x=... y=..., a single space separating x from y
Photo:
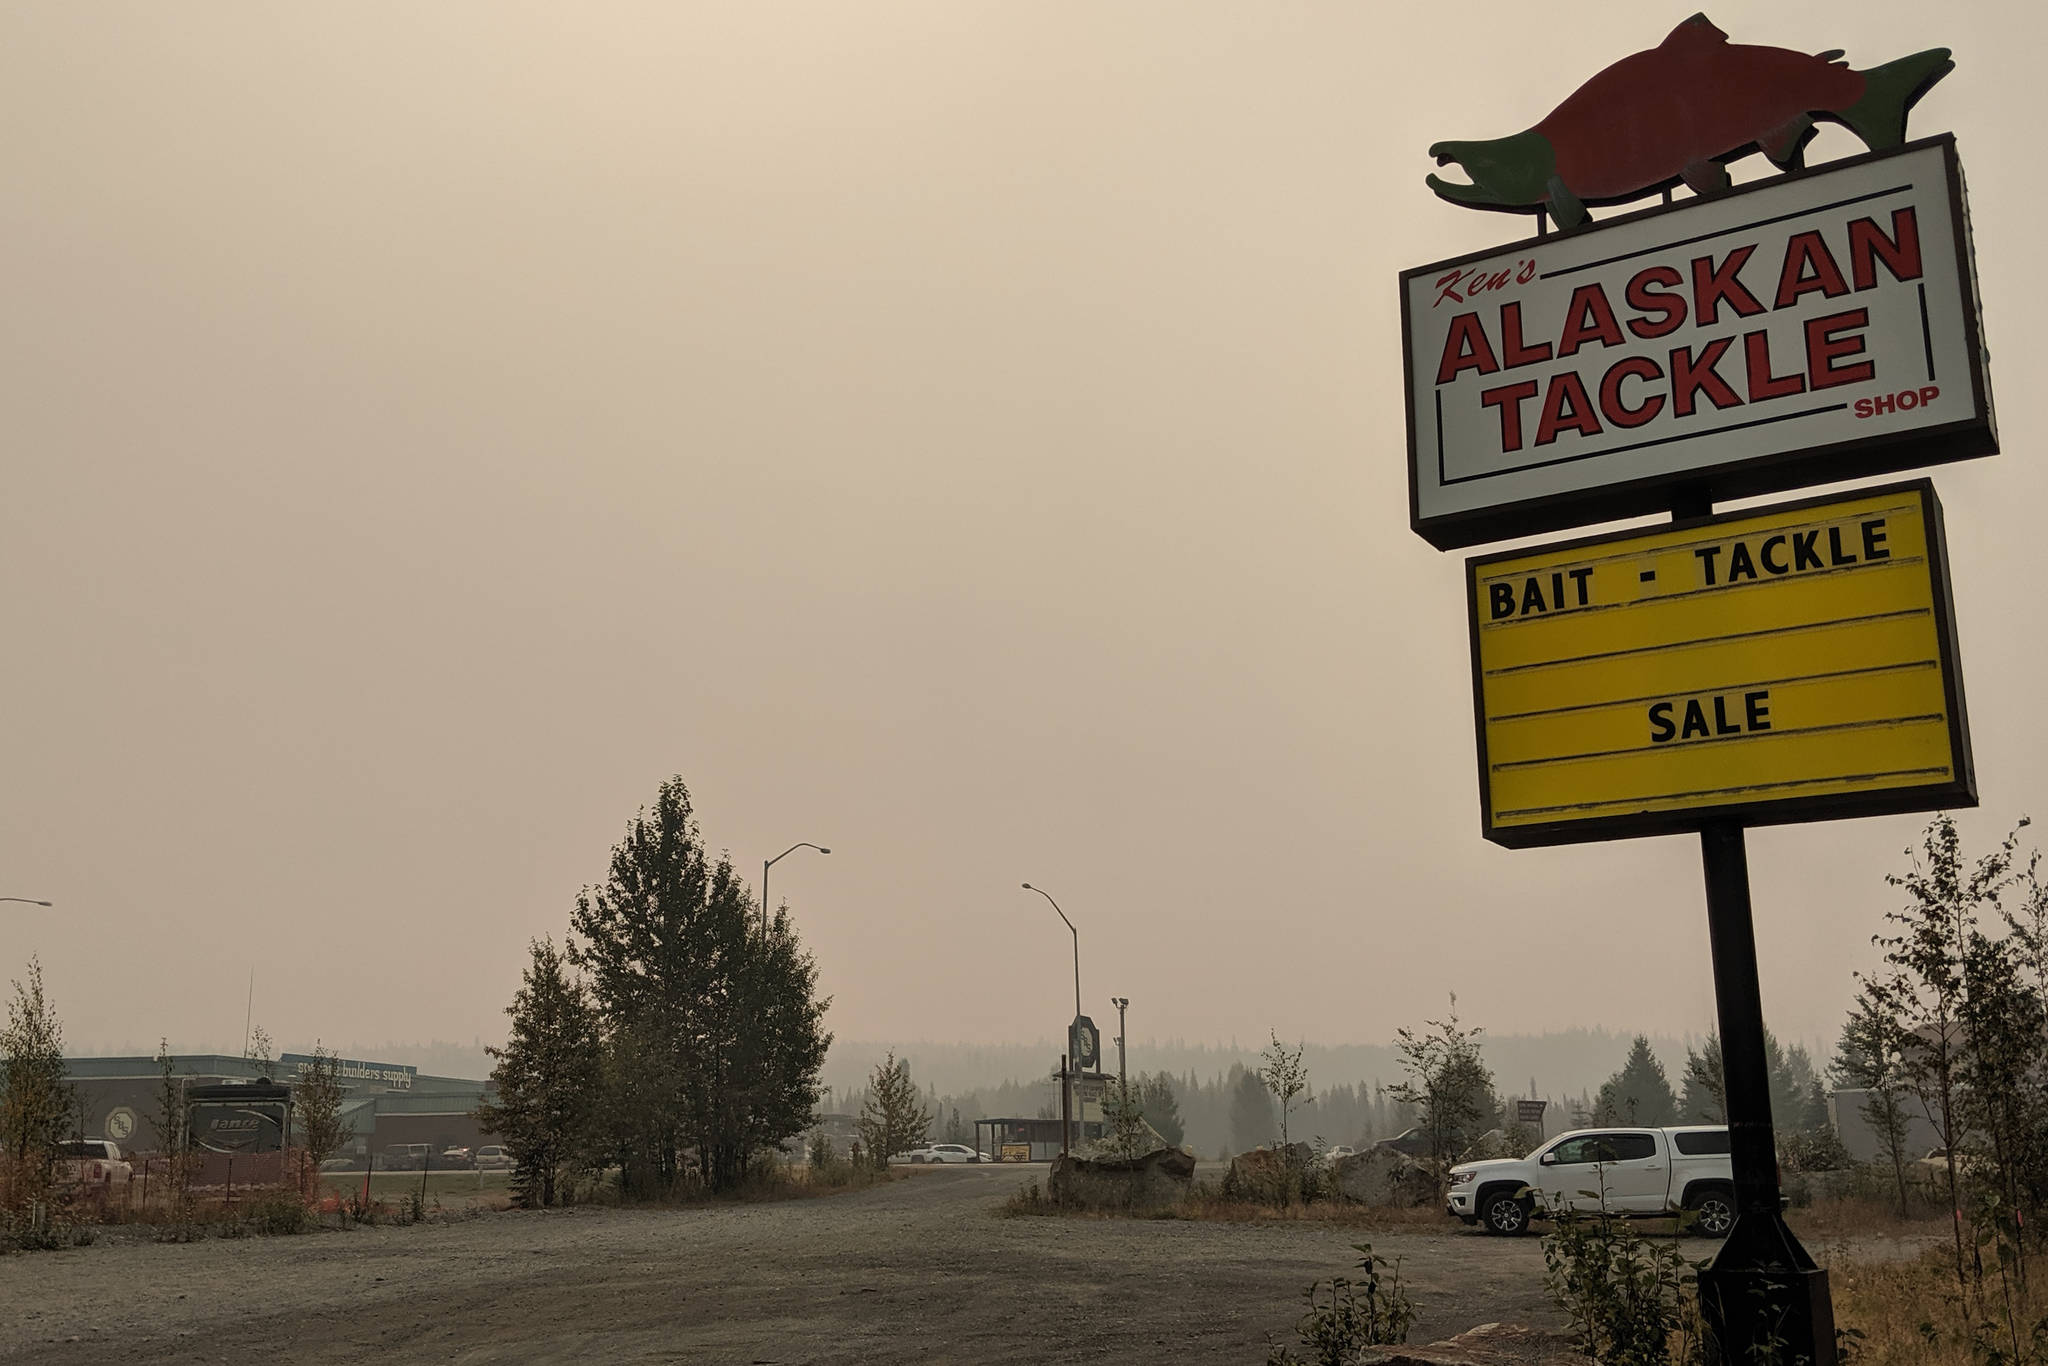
x=920 y=1270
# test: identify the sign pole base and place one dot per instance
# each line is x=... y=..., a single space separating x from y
x=1762 y=1295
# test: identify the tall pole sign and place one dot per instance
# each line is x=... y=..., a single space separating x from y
x=1781 y=664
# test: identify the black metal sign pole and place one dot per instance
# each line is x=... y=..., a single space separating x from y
x=1761 y=1286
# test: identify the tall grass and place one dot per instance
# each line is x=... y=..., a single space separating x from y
x=1909 y=1313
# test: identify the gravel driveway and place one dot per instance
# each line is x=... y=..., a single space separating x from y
x=918 y=1270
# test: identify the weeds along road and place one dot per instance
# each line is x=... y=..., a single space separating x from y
x=922 y=1269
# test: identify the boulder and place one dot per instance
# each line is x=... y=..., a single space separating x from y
x=1268 y=1174
x=1153 y=1180
x=1383 y=1176
x=1490 y=1344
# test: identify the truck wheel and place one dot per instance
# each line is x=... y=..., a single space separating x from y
x=1504 y=1215
x=1713 y=1213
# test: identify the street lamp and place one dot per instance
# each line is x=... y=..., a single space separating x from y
x=770 y=863
x=25 y=900
x=1121 y=1003
x=1073 y=1109
x=1077 y=945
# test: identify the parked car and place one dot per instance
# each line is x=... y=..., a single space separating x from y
x=90 y=1169
x=945 y=1152
x=1341 y=1150
x=340 y=1164
x=1409 y=1143
x=454 y=1158
x=406 y=1157
x=494 y=1157
x=1636 y=1173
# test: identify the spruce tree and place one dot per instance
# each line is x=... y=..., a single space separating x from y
x=1251 y=1112
x=1155 y=1097
x=1639 y=1093
x=713 y=1022
x=893 y=1119
x=546 y=1076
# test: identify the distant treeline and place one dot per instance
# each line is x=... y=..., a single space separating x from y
x=1566 y=1064
x=1226 y=1112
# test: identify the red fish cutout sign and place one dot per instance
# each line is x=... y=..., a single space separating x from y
x=1681 y=112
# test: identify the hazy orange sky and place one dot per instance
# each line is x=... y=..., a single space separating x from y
x=965 y=435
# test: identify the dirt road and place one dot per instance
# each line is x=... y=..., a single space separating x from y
x=919 y=1270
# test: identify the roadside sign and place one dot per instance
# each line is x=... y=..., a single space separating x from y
x=1812 y=327
x=392 y=1076
x=1791 y=663
x=1084 y=1044
x=1530 y=1111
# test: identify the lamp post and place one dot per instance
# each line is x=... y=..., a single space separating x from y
x=1072 y=1061
x=766 y=864
x=1121 y=1003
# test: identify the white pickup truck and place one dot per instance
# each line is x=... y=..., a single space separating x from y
x=91 y=1169
x=1639 y=1173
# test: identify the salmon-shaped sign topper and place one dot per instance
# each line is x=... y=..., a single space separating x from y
x=1681 y=112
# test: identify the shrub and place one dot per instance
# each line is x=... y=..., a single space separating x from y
x=1029 y=1200
x=279 y=1213
x=1630 y=1302
x=1355 y=1313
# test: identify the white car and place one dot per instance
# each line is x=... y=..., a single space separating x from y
x=493 y=1157
x=945 y=1152
x=1341 y=1150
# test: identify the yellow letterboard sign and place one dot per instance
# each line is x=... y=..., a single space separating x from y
x=1795 y=663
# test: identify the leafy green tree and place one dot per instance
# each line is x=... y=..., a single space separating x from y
x=1285 y=1076
x=893 y=1119
x=776 y=1023
x=1639 y=1093
x=712 y=1021
x=546 y=1076
x=35 y=1100
x=2004 y=1092
x=1449 y=1084
x=171 y=1132
x=1867 y=1059
x=260 y=1051
x=317 y=1096
x=2025 y=913
x=1925 y=985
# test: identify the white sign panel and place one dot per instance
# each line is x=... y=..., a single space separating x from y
x=1811 y=327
